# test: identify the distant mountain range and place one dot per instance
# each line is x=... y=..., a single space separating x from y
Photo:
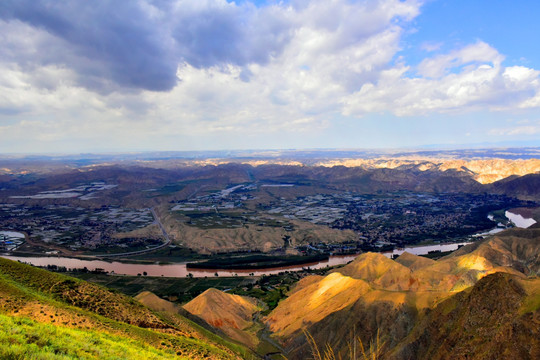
x=303 y=155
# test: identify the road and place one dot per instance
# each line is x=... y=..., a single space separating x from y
x=196 y=191
x=163 y=231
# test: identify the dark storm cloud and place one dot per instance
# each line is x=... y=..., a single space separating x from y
x=129 y=44
x=113 y=40
x=218 y=34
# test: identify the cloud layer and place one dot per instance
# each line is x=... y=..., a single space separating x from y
x=197 y=67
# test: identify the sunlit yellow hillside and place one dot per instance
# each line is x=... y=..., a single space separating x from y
x=376 y=293
x=414 y=262
x=484 y=171
x=379 y=271
x=232 y=314
x=314 y=302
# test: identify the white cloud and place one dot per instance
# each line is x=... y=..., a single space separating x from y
x=466 y=79
x=241 y=71
x=530 y=129
x=431 y=46
x=440 y=65
x=299 y=90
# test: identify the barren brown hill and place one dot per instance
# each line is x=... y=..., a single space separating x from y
x=375 y=293
x=154 y=302
x=314 y=302
x=368 y=294
x=414 y=262
x=368 y=180
x=484 y=171
x=525 y=187
x=232 y=314
x=516 y=248
x=379 y=271
x=148 y=232
x=254 y=237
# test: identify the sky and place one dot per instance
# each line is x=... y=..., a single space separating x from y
x=172 y=75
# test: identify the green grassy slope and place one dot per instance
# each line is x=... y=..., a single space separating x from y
x=74 y=307
x=23 y=338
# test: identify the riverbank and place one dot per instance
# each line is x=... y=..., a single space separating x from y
x=181 y=270
x=256 y=262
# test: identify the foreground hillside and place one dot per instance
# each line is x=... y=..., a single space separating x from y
x=484 y=294
x=481 y=302
x=23 y=338
x=231 y=316
x=47 y=314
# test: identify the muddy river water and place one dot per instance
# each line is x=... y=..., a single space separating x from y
x=180 y=269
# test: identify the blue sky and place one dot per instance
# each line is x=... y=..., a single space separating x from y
x=107 y=76
x=511 y=26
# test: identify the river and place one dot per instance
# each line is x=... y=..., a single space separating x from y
x=180 y=270
x=519 y=220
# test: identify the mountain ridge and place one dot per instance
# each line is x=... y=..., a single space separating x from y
x=395 y=303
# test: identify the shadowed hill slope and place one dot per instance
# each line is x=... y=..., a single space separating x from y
x=499 y=318
x=524 y=187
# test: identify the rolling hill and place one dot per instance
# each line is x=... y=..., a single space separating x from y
x=498 y=318
x=55 y=313
x=376 y=294
x=232 y=314
x=480 y=302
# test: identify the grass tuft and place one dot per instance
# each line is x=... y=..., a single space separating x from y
x=376 y=350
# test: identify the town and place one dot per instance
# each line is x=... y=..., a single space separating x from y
x=76 y=228
x=383 y=220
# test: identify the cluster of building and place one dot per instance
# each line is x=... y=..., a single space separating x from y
x=74 y=227
x=385 y=219
x=408 y=218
